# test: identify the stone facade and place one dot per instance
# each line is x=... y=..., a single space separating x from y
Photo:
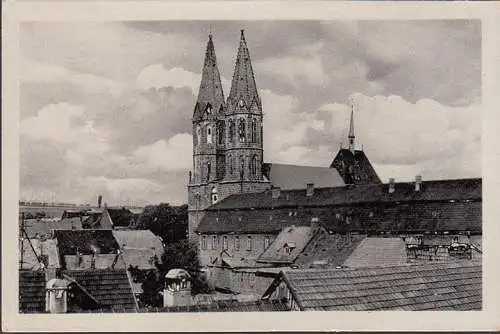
x=238 y=247
x=227 y=137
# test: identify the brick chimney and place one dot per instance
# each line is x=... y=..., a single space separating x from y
x=275 y=192
x=392 y=185
x=310 y=189
x=418 y=182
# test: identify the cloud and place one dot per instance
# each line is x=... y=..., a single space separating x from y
x=33 y=72
x=173 y=155
x=157 y=76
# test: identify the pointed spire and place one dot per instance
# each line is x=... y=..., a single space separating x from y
x=351 y=129
x=243 y=85
x=210 y=87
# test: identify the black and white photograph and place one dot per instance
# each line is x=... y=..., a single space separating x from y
x=207 y=166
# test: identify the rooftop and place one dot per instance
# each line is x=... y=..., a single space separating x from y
x=451 y=286
x=31 y=291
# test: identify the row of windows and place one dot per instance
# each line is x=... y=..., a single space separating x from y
x=254 y=166
x=241 y=135
x=215 y=242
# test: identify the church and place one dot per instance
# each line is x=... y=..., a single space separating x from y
x=249 y=217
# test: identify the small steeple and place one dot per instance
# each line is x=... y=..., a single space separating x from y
x=243 y=85
x=351 y=130
x=210 y=87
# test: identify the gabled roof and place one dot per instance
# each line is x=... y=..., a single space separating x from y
x=43 y=248
x=295 y=237
x=362 y=170
x=139 y=247
x=452 y=286
x=31 y=291
x=110 y=288
x=330 y=250
x=289 y=177
x=378 y=252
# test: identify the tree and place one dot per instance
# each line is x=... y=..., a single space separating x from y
x=182 y=255
x=166 y=221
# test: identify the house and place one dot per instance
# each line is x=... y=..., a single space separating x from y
x=451 y=286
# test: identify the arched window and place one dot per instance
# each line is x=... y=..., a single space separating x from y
x=242 y=167
x=215 y=196
x=224 y=242
x=254 y=131
x=249 y=243
x=231 y=130
x=221 y=133
x=209 y=134
x=237 y=243
x=242 y=130
x=209 y=170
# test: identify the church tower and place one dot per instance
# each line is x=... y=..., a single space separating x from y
x=208 y=150
x=227 y=137
x=244 y=145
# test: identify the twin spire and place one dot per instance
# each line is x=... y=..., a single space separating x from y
x=243 y=87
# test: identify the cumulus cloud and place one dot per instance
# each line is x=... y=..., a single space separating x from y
x=33 y=72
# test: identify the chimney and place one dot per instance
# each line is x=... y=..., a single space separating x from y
x=99 y=201
x=310 y=189
x=392 y=186
x=92 y=262
x=418 y=182
x=275 y=192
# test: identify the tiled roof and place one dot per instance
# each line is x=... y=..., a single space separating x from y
x=31 y=291
x=330 y=250
x=362 y=171
x=139 y=247
x=375 y=252
x=111 y=288
x=369 y=218
x=440 y=190
x=83 y=241
x=289 y=177
x=293 y=237
x=412 y=287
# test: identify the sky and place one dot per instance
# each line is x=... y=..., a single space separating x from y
x=106 y=107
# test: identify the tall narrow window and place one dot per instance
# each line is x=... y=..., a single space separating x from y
x=209 y=134
x=231 y=130
x=214 y=242
x=224 y=242
x=221 y=133
x=242 y=167
x=230 y=162
x=203 y=242
x=249 y=243
x=237 y=243
x=242 y=130
x=254 y=131
x=209 y=170
x=198 y=135
x=253 y=166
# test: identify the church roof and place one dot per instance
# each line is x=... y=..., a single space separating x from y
x=243 y=85
x=210 y=92
x=364 y=173
x=289 y=177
